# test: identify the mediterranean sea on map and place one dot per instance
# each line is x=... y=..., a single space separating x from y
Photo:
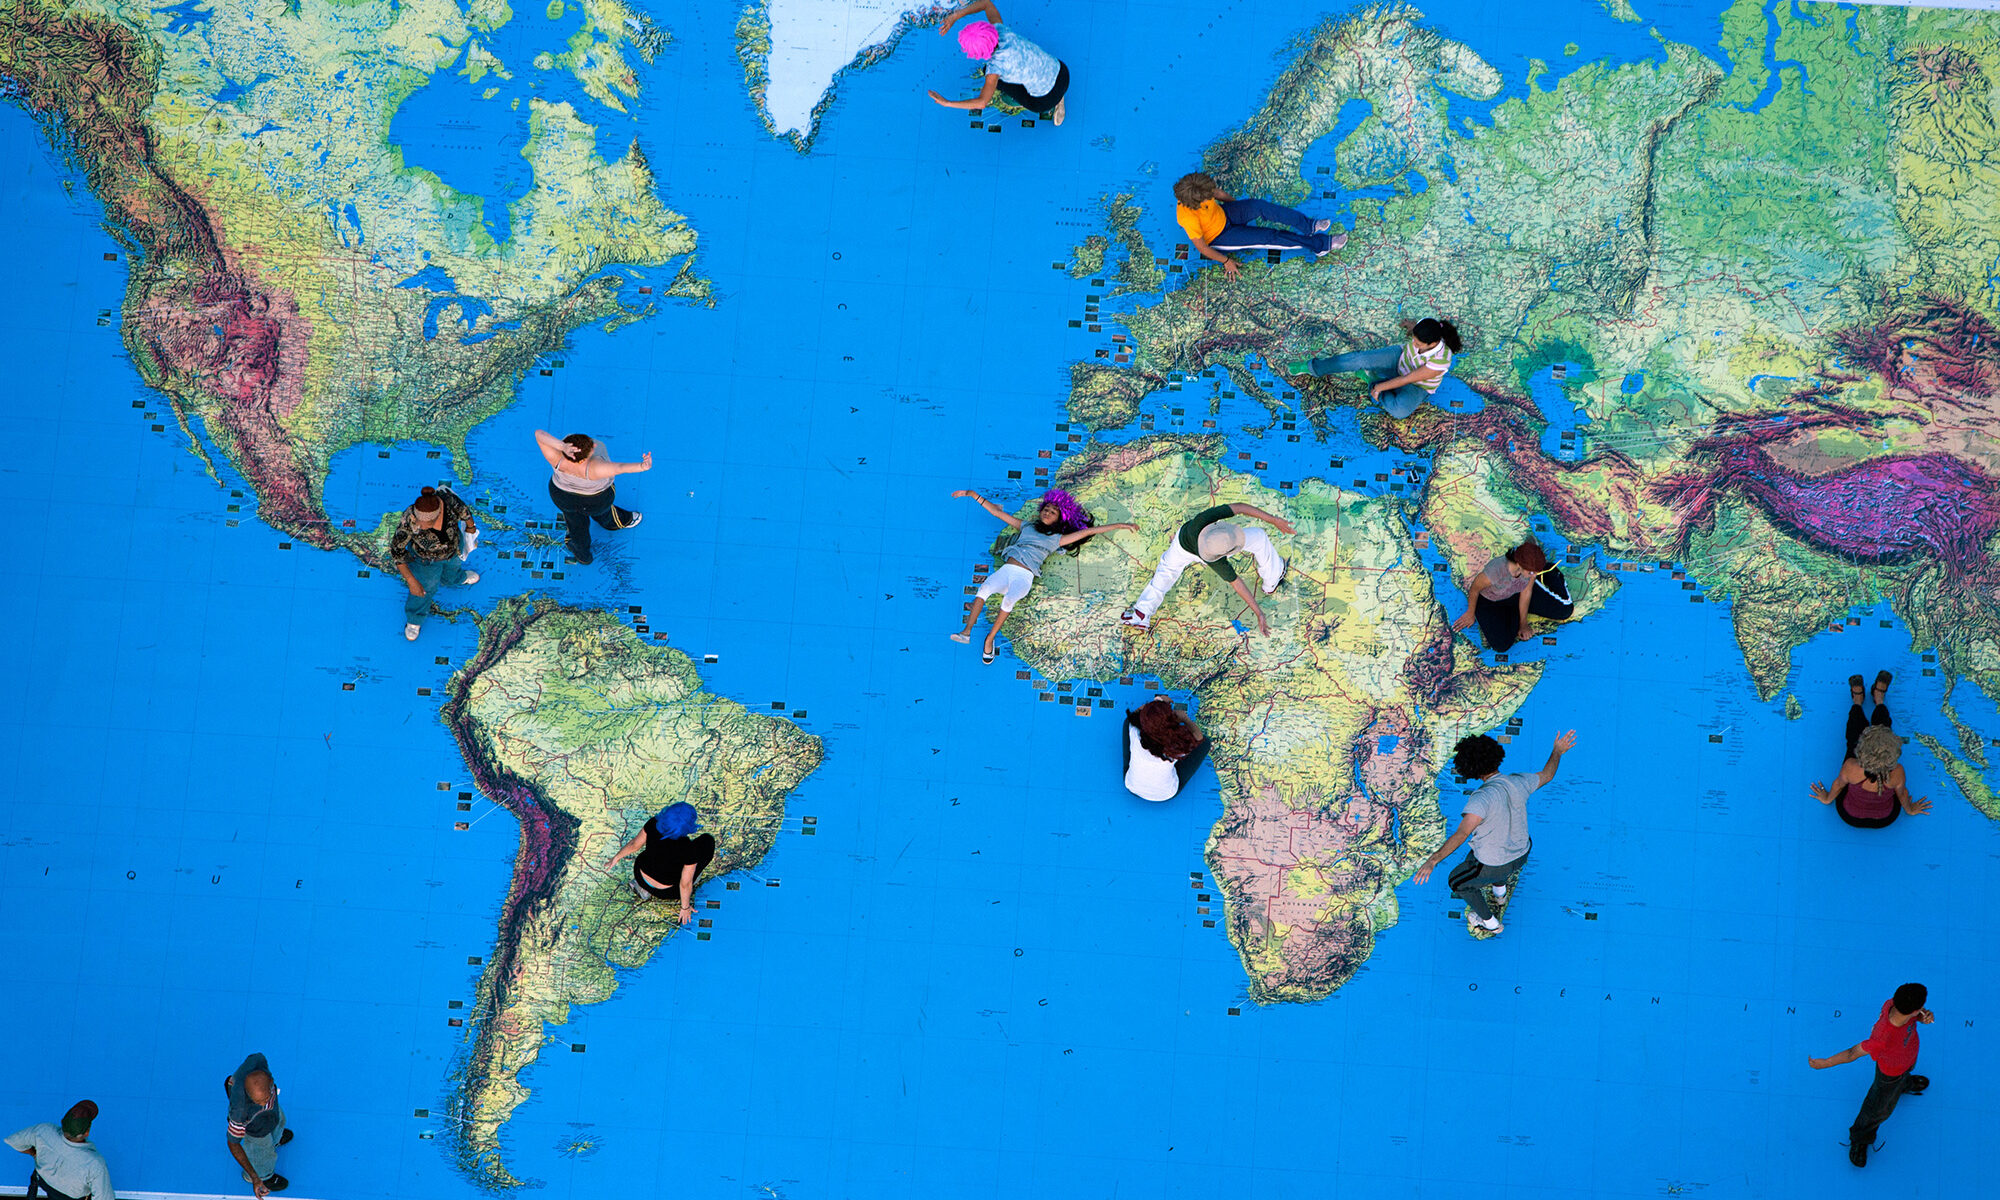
x=951 y=955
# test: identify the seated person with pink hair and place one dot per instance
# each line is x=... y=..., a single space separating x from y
x=1015 y=67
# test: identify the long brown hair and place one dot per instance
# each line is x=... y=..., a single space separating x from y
x=1529 y=554
x=1163 y=731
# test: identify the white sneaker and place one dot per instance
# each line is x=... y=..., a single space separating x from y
x=634 y=522
x=471 y=577
x=1489 y=925
x=1135 y=619
x=961 y=638
x=410 y=632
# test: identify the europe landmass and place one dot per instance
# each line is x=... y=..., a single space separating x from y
x=1327 y=736
x=1770 y=288
x=583 y=731
x=288 y=270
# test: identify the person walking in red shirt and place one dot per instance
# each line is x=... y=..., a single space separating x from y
x=1893 y=1046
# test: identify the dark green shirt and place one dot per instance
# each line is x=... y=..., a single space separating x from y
x=1190 y=537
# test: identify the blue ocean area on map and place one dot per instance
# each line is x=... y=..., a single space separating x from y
x=988 y=970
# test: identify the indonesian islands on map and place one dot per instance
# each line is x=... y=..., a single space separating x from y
x=1707 y=323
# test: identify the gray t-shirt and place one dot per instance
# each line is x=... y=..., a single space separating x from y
x=1502 y=808
x=1031 y=547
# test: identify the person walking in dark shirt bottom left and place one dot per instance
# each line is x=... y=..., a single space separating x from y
x=425 y=549
x=256 y=1125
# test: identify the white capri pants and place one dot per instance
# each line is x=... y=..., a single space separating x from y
x=1270 y=568
x=1011 y=582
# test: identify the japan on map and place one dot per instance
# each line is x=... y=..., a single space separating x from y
x=553 y=602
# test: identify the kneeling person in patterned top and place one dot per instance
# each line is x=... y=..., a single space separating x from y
x=67 y=1166
x=1495 y=820
x=256 y=1125
x=1207 y=537
x=425 y=549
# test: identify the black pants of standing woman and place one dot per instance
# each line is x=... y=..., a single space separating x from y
x=1856 y=723
x=1500 y=620
x=580 y=510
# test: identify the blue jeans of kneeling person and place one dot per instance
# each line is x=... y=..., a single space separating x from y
x=430 y=576
x=1378 y=365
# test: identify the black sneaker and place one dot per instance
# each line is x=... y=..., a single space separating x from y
x=1916 y=1085
x=287 y=1139
x=1857 y=1153
x=276 y=1183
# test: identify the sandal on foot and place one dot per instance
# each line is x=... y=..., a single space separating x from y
x=1855 y=686
x=1882 y=681
x=965 y=639
x=986 y=655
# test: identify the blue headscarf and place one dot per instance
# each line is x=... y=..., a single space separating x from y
x=677 y=820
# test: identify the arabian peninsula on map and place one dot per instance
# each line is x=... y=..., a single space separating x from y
x=1721 y=286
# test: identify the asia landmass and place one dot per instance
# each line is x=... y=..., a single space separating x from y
x=288 y=269
x=1327 y=736
x=583 y=731
x=1770 y=289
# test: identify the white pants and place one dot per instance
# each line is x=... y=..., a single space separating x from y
x=1270 y=568
x=1012 y=582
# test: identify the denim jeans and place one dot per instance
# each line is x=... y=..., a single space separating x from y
x=35 y=1181
x=430 y=576
x=1378 y=365
x=1241 y=234
x=1470 y=878
x=1876 y=1106
x=579 y=511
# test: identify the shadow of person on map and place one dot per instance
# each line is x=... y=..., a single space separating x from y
x=1870 y=790
x=1060 y=523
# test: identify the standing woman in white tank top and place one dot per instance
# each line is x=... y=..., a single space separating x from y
x=581 y=486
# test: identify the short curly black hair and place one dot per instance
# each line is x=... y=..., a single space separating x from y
x=1477 y=757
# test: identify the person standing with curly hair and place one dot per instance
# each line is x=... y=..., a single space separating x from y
x=1495 y=821
x=1163 y=748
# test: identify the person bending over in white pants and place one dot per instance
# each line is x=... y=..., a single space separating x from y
x=1207 y=538
x=1053 y=529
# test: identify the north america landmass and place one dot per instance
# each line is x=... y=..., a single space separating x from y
x=289 y=271
x=582 y=731
x=1769 y=290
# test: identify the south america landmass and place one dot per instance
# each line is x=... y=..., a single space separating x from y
x=1327 y=736
x=1768 y=291
x=285 y=328
x=582 y=731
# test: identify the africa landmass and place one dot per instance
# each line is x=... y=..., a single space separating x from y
x=1771 y=289
x=288 y=269
x=583 y=731
x=1328 y=736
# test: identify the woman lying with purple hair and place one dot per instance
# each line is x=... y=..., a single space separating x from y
x=1060 y=522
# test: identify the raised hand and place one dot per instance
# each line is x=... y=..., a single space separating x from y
x=646 y=461
x=1566 y=742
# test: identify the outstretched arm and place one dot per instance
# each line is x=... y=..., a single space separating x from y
x=1473 y=587
x=989 y=506
x=626 y=851
x=984 y=98
x=1229 y=266
x=1417 y=376
x=1563 y=746
x=597 y=468
x=1263 y=626
x=1251 y=510
x=1466 y=824
x=1913 y=806
x=958 y=14
x=1081 y=534
x=1845 y=1056
x=1841 y=777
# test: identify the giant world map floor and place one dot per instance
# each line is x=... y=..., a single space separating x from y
x=1727 y=280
